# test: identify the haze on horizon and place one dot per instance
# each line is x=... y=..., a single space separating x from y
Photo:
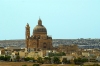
x=63 y=19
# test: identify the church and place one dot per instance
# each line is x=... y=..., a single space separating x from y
x=39 y=40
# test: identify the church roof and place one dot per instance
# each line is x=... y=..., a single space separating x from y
x=39 y=28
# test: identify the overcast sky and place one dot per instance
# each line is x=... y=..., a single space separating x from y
x=63 y=19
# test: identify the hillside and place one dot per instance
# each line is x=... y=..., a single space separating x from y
x=56 y=42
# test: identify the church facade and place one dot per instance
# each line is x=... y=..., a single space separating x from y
x=39 y=40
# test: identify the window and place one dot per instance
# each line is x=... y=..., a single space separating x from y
x=44 y=45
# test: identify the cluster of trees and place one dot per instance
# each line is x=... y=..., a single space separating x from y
x=46 y=60
x=80 y=60
x=56 y=54
x=5 y=58
x=65 y=61
x=28 y=59
x=32 y=65
x=54 y=60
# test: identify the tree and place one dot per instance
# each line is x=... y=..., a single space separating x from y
x=77 y=61
x=2 y=57
x=7 y=58
x=17 y=57
x=39 y=60
x=36 y=65
x=32 y=59
x=80 y=60
x=84 y=60
x=64 y=60
x=47 y=60
x=63 y=54
x=51 y=54
x=56 y=60
x=27 y=59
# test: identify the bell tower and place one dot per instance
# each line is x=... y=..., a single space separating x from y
x=27 y=35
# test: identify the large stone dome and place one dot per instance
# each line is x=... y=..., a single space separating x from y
x=39 y=28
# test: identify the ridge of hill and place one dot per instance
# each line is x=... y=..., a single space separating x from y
x=55 y=42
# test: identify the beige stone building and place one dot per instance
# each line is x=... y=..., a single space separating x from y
x=35 y=54
x=68 y=49
x=39 y=40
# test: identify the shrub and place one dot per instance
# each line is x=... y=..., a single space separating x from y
x=36 y=65
x=24 y=65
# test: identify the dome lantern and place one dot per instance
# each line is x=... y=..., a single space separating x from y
x=39 y=22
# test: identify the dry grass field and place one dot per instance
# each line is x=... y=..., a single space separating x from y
x=30 y=64
x=15 y=63
x=58 y=65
